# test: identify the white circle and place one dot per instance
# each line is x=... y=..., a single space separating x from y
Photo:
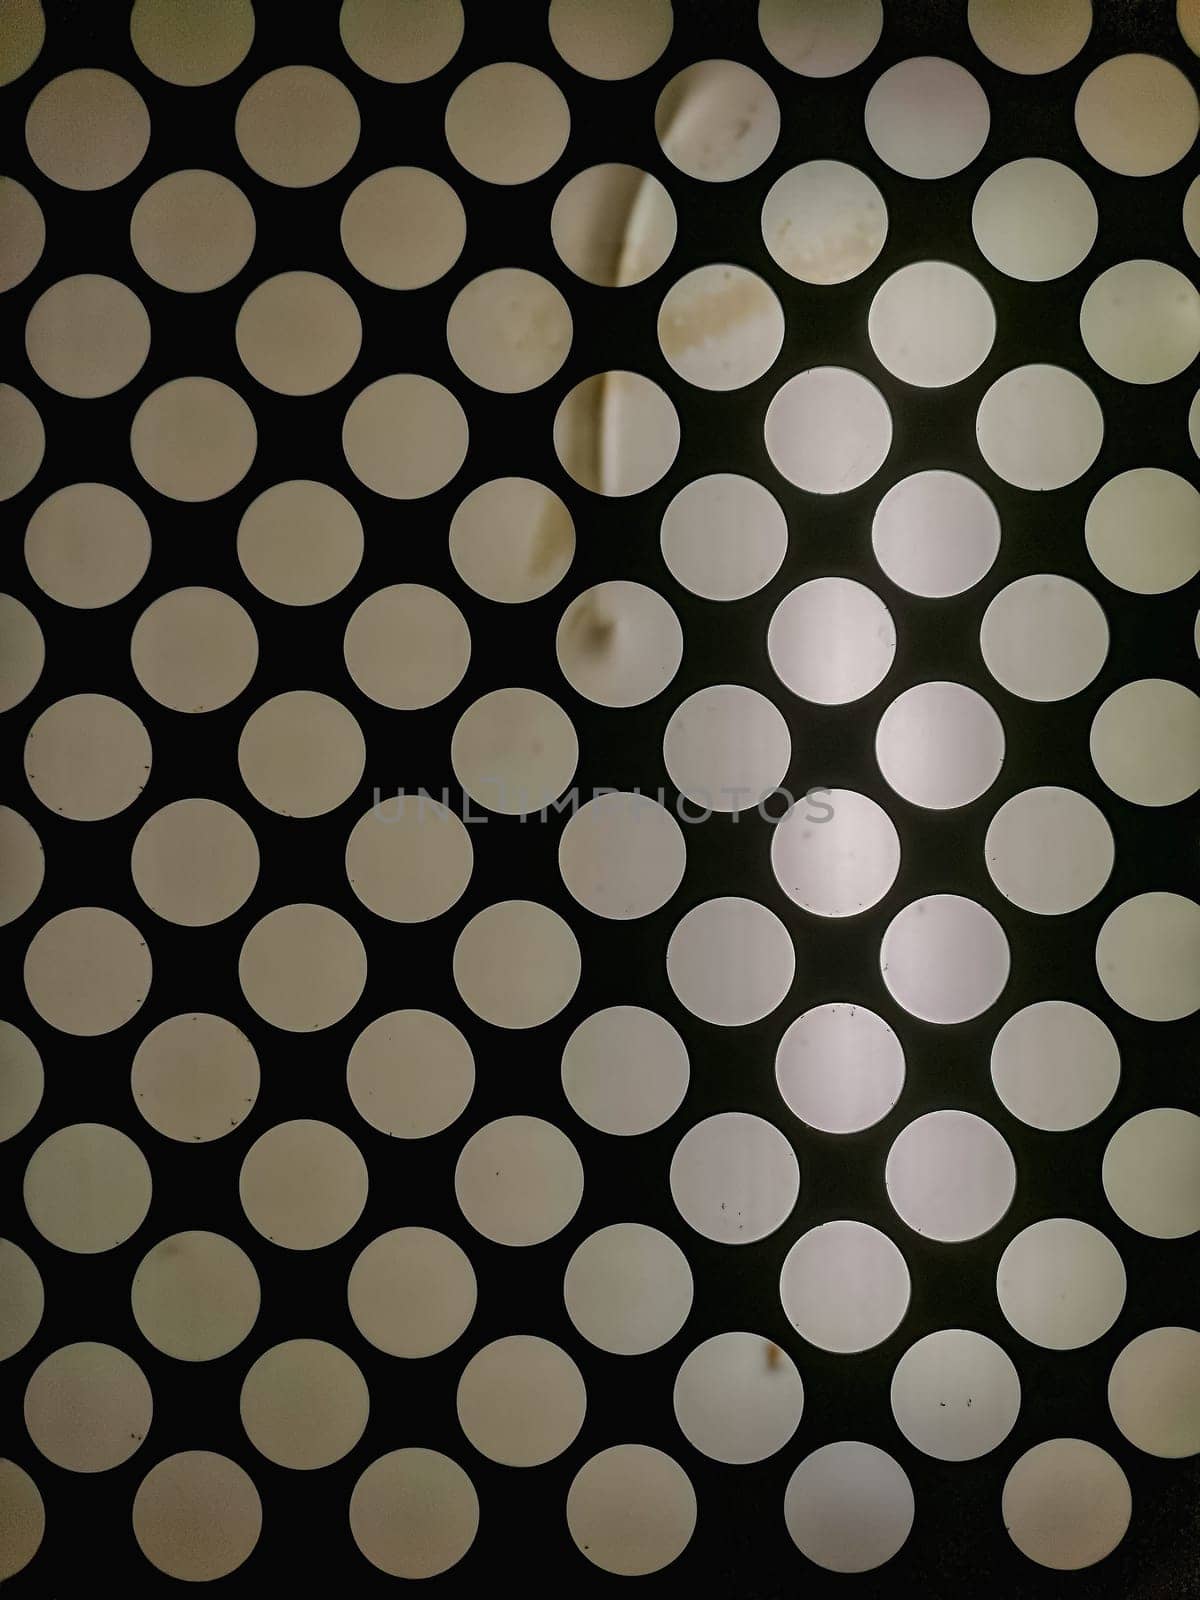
x=512 y=540
x=410 y=1074
x=514 y=751
x=844 y=1286
x=619 y=643
x=940 y=745
x=840 y=1067
x=616 y=433
x=828 y=430
x=1145 y=742
x=1061 y=1283
x=831 y=640
x=414 y=1513
x=1154 y=1392
x=1066 y=1504
x=1044 y=637
x=1136 y=114
x=519 y=1181
x=521 y=1400
x=927 y=117
x=622 y=856
x=509 y=330
x=1143 y=530
x=738 y=1398
x=730 y=961
x=848 y=1507
x=820 y=38
x=950 y=1176
x=1034 y=219
x=516 y=964
x=631 y=1510
x=726 y=747
x=628 y=1289
x=936 y=533
x=1030 y=36
x=734 y=1178
x=1049 y=850
x=1039 y=427
x=720 y=327
x=625 y=1070
x=840 y=864
x=931 y=324
x=1140 y=321
x=724 y=536
x=717 y=120
x=1151 y=1173
x=824 y=222
x=1055 y=1065
x=955 y=1395
x=613 y=225
x=1148 y=956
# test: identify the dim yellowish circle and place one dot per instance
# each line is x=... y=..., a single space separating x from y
x=622 y=855
x=195 y=862
x=87 y=971
x=619 y=643
x=1154 y=1392
x=22 y=651
x=414 y=1513
x=22 y=34
x=412 y=1292
x=300 y=542
x=521 y=1401
x=87 y=1188
x=298 y=333
x=401 y=44
x=22 y=1301
x=22 y=233
x=407 y=646
x=824 y=222
x=1055 y=1065
x=88 y=757
x=303 y=1184
x=730 y=961
x=297 y=126
x=1034 y=219
x=87 y=545
x=1066 y=1504
x=1030 y=36
x=514 y=751
x=628 y=1289
x=301 y=754
x=195 y=1077
x=519 y=1181
x=625 y=1070
x=613 y=225
x=1143 y=530
x=820 y=38
x=22 y=441
x=955 y=1395
x=516 y=964
x=23 y=862
x=717 y=120
x=631 y=1510
x=1044 y=637
x=304 y=1404
x=194 y=44
x=194 y=650
x=616 y=433
x=610 y=39
x=1137 y=114
x=1140 y=321
x=849 y=1507
x=196 y=1516
x=1145 y=742
x=507 y=123
x=512 y=540
x=22 y=1080
x=1148 y=956
x=405 y=436
x=302 y=967
x=1049 y=850
x=509 y=330
x=22 y=1511
x=738 y=1398
x=1151 y=1173
x=410 y=1074
x=409 y=858
x=88 y=1407
x=403 y=227
x=1061 y=1283
x=192 y=231
x=87 y=129
x=87 y=336
x=193 y=439
x=720 y=327
x=195 y=1296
